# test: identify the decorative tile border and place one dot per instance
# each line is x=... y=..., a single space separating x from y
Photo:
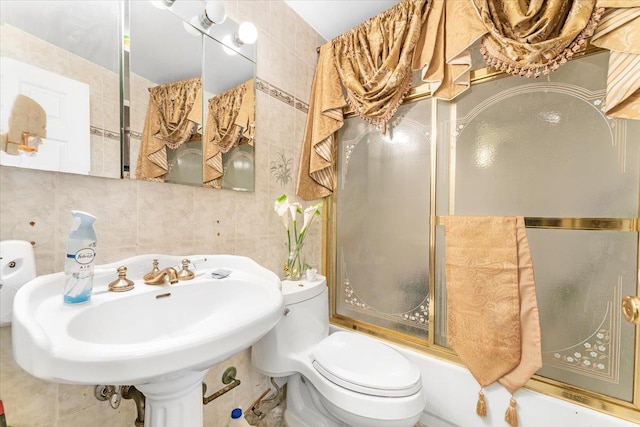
x=281 y=95
x=93 y=130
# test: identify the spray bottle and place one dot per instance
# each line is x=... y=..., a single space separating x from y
x=80 y=259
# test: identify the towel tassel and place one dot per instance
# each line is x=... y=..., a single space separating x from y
x=511 y=416
x=481 y=406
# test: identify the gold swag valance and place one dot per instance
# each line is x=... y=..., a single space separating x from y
x=173 y=115
x=371 y=62
x=230 y=122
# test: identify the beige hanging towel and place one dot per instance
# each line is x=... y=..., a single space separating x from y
x=492 y=315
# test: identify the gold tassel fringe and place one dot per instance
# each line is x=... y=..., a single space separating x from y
x=511 y=416
x=481 y=406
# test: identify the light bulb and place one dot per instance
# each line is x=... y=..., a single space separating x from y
x=226 y=42
x=191 y=26
x=214 y=13
x=247 y=33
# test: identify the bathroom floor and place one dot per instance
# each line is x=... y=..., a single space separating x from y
x=275 y=418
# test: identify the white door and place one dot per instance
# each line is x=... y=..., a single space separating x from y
x=66 y=103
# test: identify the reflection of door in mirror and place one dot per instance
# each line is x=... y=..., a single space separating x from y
x=60 y=61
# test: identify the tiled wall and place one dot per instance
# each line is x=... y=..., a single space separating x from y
x=140 y=217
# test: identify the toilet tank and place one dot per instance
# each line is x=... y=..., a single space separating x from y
x=304 y=324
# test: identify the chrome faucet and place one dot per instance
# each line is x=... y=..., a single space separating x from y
x=160 y=277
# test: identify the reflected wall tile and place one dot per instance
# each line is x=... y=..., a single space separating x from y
x=96 y=111
x=111 y=82
x=111 y=158
x=165 y=212
x=14 y=43
x=111 y=111
x=134 y=149
x=48 y=56
x=97 y=155
x=87 y=72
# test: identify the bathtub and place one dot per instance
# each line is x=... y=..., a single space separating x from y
x=452 y=394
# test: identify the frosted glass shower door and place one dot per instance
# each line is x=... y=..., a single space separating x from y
x=544 y=149
x=382 y=221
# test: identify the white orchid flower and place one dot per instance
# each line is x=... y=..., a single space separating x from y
x=309 y=215
x=281 y=207
x=294 y=208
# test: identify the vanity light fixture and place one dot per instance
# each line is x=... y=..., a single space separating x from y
x=247 y=34
x=214 y=13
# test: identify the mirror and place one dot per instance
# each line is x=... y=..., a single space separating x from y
x=191 y=99
x=60 y=90
x=72 y=124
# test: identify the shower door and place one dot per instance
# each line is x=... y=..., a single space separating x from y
x=383 y=230
x=544 y=149
x=539 y=148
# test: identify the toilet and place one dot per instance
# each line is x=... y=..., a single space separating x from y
x=337 y=380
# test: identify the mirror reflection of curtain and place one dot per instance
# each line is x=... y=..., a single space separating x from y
x=173 y=117
x=230 y=123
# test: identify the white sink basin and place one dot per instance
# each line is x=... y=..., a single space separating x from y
x=152 y=334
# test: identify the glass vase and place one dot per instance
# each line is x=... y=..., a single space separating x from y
x=293 y=267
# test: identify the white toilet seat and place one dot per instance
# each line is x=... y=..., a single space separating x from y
x=364 y=365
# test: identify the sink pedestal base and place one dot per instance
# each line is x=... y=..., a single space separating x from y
x=176 y=402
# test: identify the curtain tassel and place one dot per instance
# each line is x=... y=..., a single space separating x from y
x=481 y=406
x=511 y=416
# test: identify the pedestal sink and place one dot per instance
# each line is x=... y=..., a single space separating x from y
x=162 y=339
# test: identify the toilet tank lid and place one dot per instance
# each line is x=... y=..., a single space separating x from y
x=349 y=358
x=295 y=291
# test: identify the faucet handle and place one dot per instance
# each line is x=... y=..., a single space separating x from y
x=121 y=284
x=153 y=273
x=185 y=273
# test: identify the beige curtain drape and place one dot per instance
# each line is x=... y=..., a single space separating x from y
x=619 y=32
x=173 y=115
x=530 y=38
x=373 y=62
x=230 y=122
